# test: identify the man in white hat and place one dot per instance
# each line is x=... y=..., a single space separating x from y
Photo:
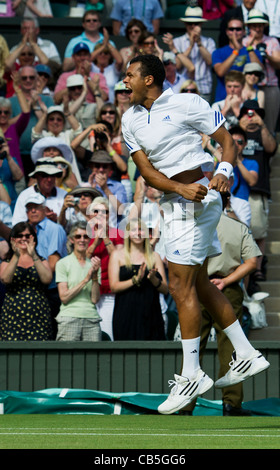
x=173 y=79
x=45 y=173
x=85 y=112
x=197 y=48
x=272 y=9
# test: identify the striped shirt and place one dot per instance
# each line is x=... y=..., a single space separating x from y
x=203 y=72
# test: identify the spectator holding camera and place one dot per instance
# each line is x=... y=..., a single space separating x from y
x=97 y=137
x=261 y=146
x=269 y=48
x=75 y=205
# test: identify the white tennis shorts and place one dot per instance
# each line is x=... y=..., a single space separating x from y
x=189 y=231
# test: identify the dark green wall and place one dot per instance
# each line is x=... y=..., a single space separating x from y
x=118 y=367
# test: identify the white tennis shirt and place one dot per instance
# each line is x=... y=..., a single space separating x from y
x=169 y=133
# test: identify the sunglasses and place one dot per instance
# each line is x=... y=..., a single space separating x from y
x=86 y=195
x=134 y=31
x=75 y=87
x=92 y=20
x=78 y=237
x=235 y=29
x=101 y=165
x=29 y=54
x=27 y=77
x=108 y=112
x=257 y=74
x=4 y=111
x=101 y=211
x=125 y=92
x=58 y=119
x=149 y=43
x=240 y=141
x=23 y=235
x=189 y=90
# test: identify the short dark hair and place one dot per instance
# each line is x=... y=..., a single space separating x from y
x=90 y=12
x=134 y=22
x=238 y=130
x=19 y=228
x=151 y=65
x=235 y=18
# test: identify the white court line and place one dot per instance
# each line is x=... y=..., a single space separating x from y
x=32 y=428
x=134 y=434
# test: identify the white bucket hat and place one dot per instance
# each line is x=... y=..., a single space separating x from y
x=256 y=16
x=46 y=165
x=38 y=148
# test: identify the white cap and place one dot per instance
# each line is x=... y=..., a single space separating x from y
x=74 y=80
x=35 y=198
x=55 y=109
x=169 y=56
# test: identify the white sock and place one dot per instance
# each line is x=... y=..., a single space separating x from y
x=190 y=357
x=238 y=339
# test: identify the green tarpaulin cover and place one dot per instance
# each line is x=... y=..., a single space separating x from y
x=76 y=401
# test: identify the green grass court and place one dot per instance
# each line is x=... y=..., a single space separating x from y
x=138 y=432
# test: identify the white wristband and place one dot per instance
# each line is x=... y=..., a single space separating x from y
x=225 y=168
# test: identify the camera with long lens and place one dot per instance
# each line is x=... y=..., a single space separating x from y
x=3 y=154
x=102 y=137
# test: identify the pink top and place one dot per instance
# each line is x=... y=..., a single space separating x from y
x=13 y=133
x=62 y=83
x=10 y=12
x=272 y=44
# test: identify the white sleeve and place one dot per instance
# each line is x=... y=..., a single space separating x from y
x=19 y=214
x=202 y=117
x=129 y=138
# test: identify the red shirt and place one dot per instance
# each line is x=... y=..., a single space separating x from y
x=101 y=251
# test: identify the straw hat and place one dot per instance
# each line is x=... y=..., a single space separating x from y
x=193 y=15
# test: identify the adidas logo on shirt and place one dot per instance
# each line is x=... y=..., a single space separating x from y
x=167 y=118
x=176 y=252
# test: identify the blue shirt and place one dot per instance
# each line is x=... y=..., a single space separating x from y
x=51 y=239
x=7 y=178
x=144 y=10
x=83 y=38
x=220 y=55
x=240 y=187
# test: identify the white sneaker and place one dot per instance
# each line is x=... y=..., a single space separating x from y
x=184 y=392
x=242 y=369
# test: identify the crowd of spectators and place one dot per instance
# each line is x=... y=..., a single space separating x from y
x=74 y=263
